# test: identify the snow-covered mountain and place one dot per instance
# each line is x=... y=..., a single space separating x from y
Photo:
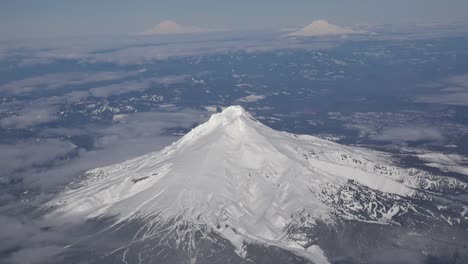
x=322 y=28
x=236 y=182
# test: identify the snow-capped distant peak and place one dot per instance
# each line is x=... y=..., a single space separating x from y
x=321 y=28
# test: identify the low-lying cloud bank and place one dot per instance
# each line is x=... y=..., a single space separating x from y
x=133 y=135
x=55 y=81
x=410 y=134
x=454 y=91
x=141 y=49
x=169 y=27
x=34 y=169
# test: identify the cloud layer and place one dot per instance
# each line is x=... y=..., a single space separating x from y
x=454 y=92
x=169 y=27
x=30 y=116
x=410 y=134
x=134 y=135
x=60 y=80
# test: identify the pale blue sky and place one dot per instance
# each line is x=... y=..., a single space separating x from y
x=35 y=18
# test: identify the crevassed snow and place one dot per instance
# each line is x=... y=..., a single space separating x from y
x=234 y=173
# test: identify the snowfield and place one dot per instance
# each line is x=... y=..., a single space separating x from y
x=247 y=182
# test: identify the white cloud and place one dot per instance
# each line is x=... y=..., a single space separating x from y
x=410 y=134
x=454 y=92
x=459 y=80
x=321 y=28
x=30 y=116
x=133 y=86
x=445 y=99
x=31 y=153
x=252 y=98
x=60 y=80
x=173 y=79
x=135 y=135
x=36 y=254
x=120 y=88
x=124 y=51
x=171 y=27
x=27 y=237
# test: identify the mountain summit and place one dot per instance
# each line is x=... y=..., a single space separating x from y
x=322 y=28
x=240 y=181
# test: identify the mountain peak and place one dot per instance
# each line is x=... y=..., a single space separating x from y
x=231 y=113
x=234 y=110
x=322 y=28
x=237 y=178
x=233 y=121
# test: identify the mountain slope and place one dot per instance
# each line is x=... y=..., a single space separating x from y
x=247 y=183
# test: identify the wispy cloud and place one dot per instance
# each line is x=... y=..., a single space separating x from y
x=134 y=135
x=410 y=134
x=447 y=99
x=169 y=27
x=28 y=241
x=120 y=88
x=60 y=80
x=30 y=116
x=172 y=79
x=454 y=91
x=252 y=98
x=139 y=50
x=36 y=254
x=125 y=87
x=31 y=153
x=39 y=168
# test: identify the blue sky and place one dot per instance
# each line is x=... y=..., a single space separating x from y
x=33 y=18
